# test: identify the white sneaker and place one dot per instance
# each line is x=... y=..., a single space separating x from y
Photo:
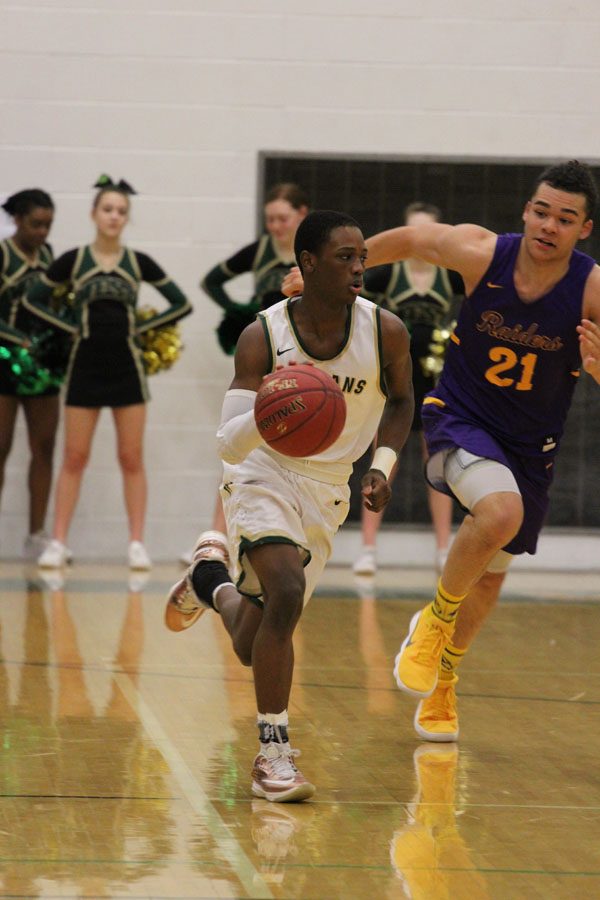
x=276 y=778
x=138 y=556
x=366 y=563
x=35 y=544
x=55 y=555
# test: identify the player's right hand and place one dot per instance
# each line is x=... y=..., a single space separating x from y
x=375 y=490
x=293 y=283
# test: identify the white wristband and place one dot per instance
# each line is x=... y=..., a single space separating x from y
x=384 y=460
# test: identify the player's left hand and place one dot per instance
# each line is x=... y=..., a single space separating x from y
x=375 y=490
x=589 y=345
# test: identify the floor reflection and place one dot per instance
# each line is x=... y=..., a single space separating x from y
x=428 y=854
x=83 y=792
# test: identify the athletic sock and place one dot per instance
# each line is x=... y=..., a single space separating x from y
x=272 y=728
x=450 y=661
x=445 y=606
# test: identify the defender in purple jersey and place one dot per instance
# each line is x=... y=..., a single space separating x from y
x=493 y=424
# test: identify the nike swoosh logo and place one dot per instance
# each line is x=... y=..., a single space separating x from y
x=490 y=284
x=281 y=352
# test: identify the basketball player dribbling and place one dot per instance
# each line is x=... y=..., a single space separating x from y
x=493 y=423
x=283 y=512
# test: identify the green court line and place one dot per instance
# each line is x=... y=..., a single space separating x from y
x=307 y=684
x=353 y=867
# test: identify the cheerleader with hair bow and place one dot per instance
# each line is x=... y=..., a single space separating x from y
x=105 y=367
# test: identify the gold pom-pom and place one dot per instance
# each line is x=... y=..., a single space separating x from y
x=433 y=364
x=160 y=347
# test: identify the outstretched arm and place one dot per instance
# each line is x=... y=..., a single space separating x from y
x=466 y=249
x=397 y=417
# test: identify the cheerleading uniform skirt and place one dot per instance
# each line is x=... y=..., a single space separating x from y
x=106 y=373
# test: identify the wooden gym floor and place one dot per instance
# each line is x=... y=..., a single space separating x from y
x=125 y=750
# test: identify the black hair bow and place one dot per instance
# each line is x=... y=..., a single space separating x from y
x=105 y=181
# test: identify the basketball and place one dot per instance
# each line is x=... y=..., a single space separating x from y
x=300 y=410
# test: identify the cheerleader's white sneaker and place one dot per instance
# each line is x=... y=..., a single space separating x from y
x=55 y=556
x=137 y=556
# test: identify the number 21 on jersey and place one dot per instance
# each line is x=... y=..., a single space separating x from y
x=506 y=360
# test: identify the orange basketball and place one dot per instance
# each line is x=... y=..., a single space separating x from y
x=300 y=410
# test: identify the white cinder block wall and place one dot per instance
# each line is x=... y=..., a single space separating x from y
x=179 y=97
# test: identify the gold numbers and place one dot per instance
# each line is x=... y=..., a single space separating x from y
x=506 y=360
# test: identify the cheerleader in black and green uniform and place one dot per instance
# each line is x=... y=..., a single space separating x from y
x=23 y=256
x=269 y=259
x=422 y=295
x=105 y=367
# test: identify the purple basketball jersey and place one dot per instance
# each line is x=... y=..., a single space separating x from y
x=511 y=367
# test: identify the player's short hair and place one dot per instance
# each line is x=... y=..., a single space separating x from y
x=314 y=231
x=573 y=177
x=421 y=206
x=23 y=202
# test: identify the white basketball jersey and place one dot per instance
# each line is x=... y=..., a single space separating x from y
x=358 y=370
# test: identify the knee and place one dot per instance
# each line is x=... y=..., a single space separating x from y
x=130 y=461
x=243 y=651
x=283 y=606
x=499 y=518
x=43 y=449
x=75 y=460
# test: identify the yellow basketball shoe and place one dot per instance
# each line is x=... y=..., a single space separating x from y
x=417 y=664
x=436 y=718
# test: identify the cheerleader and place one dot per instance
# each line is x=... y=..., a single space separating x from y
x=105 y=366
x=269 y=259
x=23 y=256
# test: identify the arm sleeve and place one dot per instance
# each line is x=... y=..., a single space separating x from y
x=179 y=305
x=41 y=290
x=213 y=281
x=237 y=435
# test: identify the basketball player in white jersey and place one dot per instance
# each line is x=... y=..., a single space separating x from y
x=283 y=512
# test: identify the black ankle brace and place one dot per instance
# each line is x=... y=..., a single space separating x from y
x=206 y=576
